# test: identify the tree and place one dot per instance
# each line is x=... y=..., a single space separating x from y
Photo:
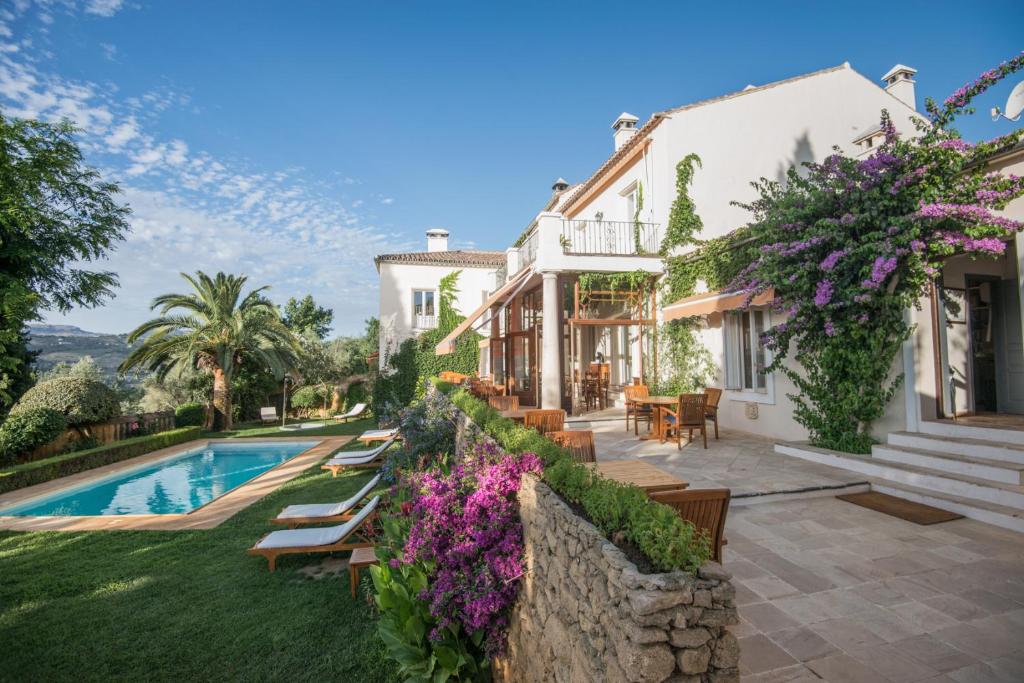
x=85 y=367
x=850 y=245
x=306 y=319
x=215 y=329
x=55 y=214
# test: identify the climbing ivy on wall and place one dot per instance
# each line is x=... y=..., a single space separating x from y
x=683 y=222
x=638 y=243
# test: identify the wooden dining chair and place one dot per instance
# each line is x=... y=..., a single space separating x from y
x=690 y=414
x=704 y=508
x=504 y=402
x=714 y=396
x=638 y=412
x=580 y=444
x=545 y=421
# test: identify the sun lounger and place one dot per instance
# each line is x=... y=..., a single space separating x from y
x=318 y=513
x=372 y=435
x=328 y=539
x=358 y=459
x=268 y=414
x=356 y=410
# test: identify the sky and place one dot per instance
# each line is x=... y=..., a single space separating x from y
x=293 y=141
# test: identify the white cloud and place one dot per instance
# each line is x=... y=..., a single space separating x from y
x=122 y=134
x=103 y=8
x=387 y=200
x=109 y=51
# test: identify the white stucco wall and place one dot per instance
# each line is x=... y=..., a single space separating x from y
x=399 y=280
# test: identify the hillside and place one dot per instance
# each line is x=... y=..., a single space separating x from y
x=67 y=343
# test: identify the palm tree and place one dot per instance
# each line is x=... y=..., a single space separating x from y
x=214 y=329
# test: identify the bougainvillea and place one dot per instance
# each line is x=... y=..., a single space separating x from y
x=849 y=245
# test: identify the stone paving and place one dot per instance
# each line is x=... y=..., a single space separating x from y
x=831 y=591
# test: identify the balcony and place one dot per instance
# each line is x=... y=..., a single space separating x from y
x=610 y=238
x=424 y=322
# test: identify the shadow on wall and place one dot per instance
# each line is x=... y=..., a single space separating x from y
x=803 y=152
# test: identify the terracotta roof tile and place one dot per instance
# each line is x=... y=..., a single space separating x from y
x=457 y=258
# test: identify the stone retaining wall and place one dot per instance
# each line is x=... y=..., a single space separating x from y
x=586 y=614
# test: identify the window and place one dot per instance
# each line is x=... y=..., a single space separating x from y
x=423 y=315
x=631 y=205
x=746 y=357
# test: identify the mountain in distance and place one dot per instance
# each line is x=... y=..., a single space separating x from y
x=68 y=343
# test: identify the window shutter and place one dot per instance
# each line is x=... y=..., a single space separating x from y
x=731 y=333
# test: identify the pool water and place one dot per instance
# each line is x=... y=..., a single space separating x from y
x=176 y=485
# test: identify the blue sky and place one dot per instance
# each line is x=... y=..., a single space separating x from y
x=293 y=141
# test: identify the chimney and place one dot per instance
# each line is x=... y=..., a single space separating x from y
x=561 y=185
x=625 y=128
x=437 y=239
x=899 y=82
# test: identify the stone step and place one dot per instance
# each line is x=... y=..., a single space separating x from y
x=1010 y=495
x=981 y=468
x=974 y=448
x=990 y=513
x=958 y=430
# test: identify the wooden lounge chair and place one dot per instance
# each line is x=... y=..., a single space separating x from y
x=689 y=415
x=269 y=414
x=544 y=421
x=321 y=513
x=373 y=435
x=580 y=444
x=358 y=459
x=355 y=411
x=711 y=414
x=504 y=402
x=355 y=533
x=636 y=411
x=704 y=508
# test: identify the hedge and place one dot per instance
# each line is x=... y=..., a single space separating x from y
x=620 y=511
x=189 y=415
x=29 y=429
x=40 y=471
x=82 y=401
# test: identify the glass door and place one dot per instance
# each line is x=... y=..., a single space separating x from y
x=522 y=366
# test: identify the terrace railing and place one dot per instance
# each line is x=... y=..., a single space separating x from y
x=610 y=238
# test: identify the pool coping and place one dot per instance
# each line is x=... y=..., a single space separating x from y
x=206 y=517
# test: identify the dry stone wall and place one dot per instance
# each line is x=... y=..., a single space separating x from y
x=585 y=614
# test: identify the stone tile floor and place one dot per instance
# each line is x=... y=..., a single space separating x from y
x=831 y=591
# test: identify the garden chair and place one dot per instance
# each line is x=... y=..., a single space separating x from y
x=636 y=411
x=355 y=533
x=580 y=444
x=358 y=459
x=689 y=414
x=355 y=411
x=504 y=402
x=713 y=396
x=268 y=414
x=320 y=513
x=704 y=508
x=545 y=421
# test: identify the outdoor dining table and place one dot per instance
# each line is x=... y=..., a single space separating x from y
x=643 y=474
x=656 y=403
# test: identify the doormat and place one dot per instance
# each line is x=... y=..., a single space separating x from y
x=897 y=507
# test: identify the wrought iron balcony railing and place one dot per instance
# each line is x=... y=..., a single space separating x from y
x=610 y=238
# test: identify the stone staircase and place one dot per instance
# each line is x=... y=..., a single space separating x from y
x=974 y=471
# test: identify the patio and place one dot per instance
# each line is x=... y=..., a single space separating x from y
x=831 y=591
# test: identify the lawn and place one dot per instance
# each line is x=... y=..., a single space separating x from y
x=184 y=605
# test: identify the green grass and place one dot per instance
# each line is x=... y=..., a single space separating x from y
x=184 y=605
x=257 y=429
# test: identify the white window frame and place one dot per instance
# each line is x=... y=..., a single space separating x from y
x=629 y=195
x=416 y=316
x=733 y=358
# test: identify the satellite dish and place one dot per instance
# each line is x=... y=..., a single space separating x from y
x=1014 y=105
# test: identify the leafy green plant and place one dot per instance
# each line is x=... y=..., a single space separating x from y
x=621 y=512
x=27 y=430
x=683 y=222
x=188 y=415
x=82 y=401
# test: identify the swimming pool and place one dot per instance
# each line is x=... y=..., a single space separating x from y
x=176 y=485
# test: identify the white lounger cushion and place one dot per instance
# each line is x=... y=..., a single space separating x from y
x=378 y=433
x=329 y=509
x=360 y=457
x=312 y=538
x=356 y=409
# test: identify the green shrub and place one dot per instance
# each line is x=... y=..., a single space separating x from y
x=27 y=430
x=618 y=510
x=40 y=471
x=80 y=400
x=189 y=415
x=356 y=393
x=308 y=397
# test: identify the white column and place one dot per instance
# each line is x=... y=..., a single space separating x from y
x=551 y=376
x=911 y=403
